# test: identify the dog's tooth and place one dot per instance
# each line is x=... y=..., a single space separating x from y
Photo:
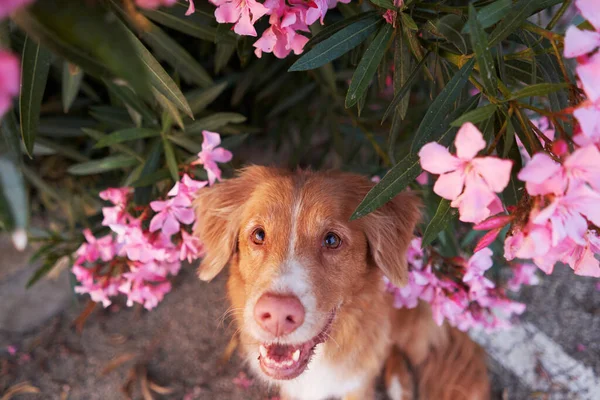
x=263 y=350
x=296 y=355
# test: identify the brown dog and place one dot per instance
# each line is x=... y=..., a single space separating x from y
x=306 y=286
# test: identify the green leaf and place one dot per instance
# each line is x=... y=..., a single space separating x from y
x=490 y=14
x=11 y=145
x=329 y=30
x=402 y=63
x=512 y=20
x=514 y=191
x=171 y=159
x=232 y=142
x=42 y=271
x=152 y=178
x=175 y=55
x=404 y=90
x=337 y=44
x=143 y=192
x=126 y=135
x=479 y=41
x=186 y=24
x=103 y=165
x=408 y=22
x=86 y=34
x=97 y=135
x=436 y=115
x=71 y=83
x=35 y=65
x=449 y=26
x=170 y=112
x=113 y=117
x=478 y=115
x=442 y=218
x=409 y=168
x=129 y=98
x=368 y=65
x=159 y=77
x=214 y=121
x=199 y=99
x=540 y=89
x=392 y=183
x=387 y=4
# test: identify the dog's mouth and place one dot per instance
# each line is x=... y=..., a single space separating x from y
x=288 y=361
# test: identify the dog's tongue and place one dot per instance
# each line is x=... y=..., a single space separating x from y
x=280 y=352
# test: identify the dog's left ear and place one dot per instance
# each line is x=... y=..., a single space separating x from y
x=218 y=214
x=389 y=231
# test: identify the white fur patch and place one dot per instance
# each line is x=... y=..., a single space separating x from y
x=394 y=390
x=321 y=381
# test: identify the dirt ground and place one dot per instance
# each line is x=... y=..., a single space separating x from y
x=175 y=349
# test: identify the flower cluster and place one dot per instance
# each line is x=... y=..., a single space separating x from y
x=145 y=245
x=458 y=291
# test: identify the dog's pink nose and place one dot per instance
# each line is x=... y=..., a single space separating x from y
x=279 y=314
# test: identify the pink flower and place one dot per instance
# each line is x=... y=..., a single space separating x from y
x=96 y=248
x=480 y=177
x=170 y=214
x=590 y=10
x=282 y=37
x=566 y=214
x=589 y=75
x=7 y=7
x=10 y=71
x=523 y=274
x=588 y=117
x=579 y=43
x=190 y=247
x=211 y=154
x=542 y=175
x=582 y=258
x=242 y=13
x=116 y=218
x=478 y=264
x=12 y=350
x=423 y=178
x=187 y=187
x=584 y=166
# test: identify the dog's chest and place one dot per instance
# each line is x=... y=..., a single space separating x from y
x=321 y=381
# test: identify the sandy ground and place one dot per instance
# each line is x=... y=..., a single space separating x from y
x=178 y=345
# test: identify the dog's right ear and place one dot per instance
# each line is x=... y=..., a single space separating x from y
x=218 y=215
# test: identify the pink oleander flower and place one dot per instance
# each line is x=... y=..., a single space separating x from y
x=242 y=13
x=282 y=36
x=590 y=10
x=211 y=154
x=7 y=7
x=94 y=249
x=191 y=247
x=152 y=4
x=390 y=15
x=470 y=182
x=588 y=116
x=542 y=175
x=581 y=258
x=478 y=264
x=10 y=77
x=523 y=274
x=579 y=42
x=170 y=213
x=116 y=218
x=187 y=187
x=589 y=76
x=567 y=214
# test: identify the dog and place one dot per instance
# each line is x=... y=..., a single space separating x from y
x=307 y=289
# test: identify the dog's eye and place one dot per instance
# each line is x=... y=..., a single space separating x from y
x=258 y=236
x=332 y=241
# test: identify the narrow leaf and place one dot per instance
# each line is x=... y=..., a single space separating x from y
x=405 y=89
x=490 y=14
x=512 y=20
x=171 y=159
x=540 y=89
x=479 y=41
x=478 y=115
x=368 y=65
x=214 y=122
x=329 y=30
x=438 y=111
x=129 y=98
x=186 y=24
x=103 y=165
x=126 y=135
x=199 y=99
x=71 y=83
x=402 y=64
x=442 y=218
x=35 y=65
x=338 y=44
x=143 y=191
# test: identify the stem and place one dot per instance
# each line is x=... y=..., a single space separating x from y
x=560 y=62
x=528 y=26
x=535 y=144
x=536 y=110
x=500 y=133
x=565 y=6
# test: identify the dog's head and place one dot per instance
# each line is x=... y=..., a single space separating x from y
x=295 y=256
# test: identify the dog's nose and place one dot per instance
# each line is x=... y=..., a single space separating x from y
x=279 y=314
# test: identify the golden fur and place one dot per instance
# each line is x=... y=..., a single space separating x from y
x=430 y=361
